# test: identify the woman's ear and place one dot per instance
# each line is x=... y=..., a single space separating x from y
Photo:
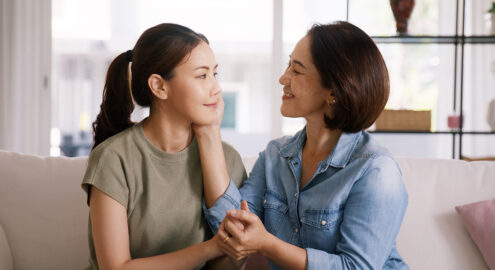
x=158 y=86
x=331 y=100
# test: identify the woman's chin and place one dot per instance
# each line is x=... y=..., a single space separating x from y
x=287 y=113
x=204 y=121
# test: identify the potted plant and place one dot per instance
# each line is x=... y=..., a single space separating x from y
x=491 y=19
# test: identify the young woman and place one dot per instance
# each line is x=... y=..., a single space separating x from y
x=328 y=197
x=144 y=180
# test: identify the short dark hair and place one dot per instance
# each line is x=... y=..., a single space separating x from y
x=352 y=67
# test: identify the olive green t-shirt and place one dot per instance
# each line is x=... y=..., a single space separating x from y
x=162 y=192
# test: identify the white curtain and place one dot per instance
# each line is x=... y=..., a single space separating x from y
x=25 y=57
x=479 y=84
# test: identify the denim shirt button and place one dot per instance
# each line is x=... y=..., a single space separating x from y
x=323 y=222
x=264 y=201
x=295 y=195
x=296 y=163
x=296 y=230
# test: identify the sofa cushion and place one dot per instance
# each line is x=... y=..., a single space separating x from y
x=43 y=211
x=479 y=220
x=432 y=235
x=5 y=256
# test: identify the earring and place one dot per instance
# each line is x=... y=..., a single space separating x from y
x=330 y=103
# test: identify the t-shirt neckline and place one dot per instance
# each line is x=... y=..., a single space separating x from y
x=190 y=150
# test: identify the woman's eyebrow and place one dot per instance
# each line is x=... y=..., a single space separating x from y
x=297 y=62
x=206 y=67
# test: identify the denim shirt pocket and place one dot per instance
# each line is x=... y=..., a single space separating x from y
x=320 y=228
x=275 y=211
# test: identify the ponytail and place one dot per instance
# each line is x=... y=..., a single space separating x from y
x=117 y=104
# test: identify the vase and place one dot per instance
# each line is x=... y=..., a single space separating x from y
x=402 y=10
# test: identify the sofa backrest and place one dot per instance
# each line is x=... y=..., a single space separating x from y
x=44 y=214
x=432 y=235
x=43 y=211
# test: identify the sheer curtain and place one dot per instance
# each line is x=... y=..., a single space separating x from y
x=479 y=85
x=25 y=65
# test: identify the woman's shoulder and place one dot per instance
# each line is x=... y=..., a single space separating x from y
x=229 y=150
x=373 y=156
x=114 y=146
x=377 y=164
x=369 y=148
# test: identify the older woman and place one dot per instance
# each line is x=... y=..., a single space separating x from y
x=329 y=197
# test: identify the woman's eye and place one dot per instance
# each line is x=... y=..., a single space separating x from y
x=215 y=74
x=202 y=76
x=293 y=70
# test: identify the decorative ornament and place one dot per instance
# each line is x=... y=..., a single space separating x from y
x=402 y=10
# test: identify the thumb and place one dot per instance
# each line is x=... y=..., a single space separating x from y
x=241 y=215
x=244 y=206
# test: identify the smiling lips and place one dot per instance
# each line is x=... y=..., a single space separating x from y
x=211 y=105
x=287 y=95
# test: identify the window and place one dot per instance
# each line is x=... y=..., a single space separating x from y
x=245 y=36
x=88 y=35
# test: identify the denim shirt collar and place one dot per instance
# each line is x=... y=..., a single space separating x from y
x=338 y=158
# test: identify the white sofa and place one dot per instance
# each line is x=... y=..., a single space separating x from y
x=44 y=215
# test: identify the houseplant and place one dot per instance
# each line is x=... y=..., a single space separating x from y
x=491 y=19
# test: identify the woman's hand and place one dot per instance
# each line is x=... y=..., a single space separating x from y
x=222 y=237
x=213 y=127
x=243 y=242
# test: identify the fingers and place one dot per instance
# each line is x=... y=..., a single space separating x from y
x=242 y=215
x=232 y=248
x=244 y=206
x=236 y=222
x=231 y=228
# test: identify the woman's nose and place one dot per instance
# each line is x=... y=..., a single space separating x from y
x=284 y=80
x=216 y=89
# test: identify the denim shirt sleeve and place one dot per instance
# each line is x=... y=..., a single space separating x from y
x=252 y=191
x=372 y=217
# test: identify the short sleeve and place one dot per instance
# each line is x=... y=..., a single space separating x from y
x=105 y=172
x=235 y=166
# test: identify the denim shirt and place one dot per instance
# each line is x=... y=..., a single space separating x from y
x=346 y=217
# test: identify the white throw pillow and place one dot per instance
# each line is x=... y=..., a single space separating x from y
x=5 y=255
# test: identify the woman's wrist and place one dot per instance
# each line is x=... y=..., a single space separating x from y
x=208 y=135
x=213 y=249
x=268 y=244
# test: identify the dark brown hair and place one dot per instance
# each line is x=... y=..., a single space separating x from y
x=352 y=67
x=158 y=51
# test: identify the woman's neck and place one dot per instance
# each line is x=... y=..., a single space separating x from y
x=320 y=141
x=167 y=132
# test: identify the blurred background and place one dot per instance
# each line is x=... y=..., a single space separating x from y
x=251 y=40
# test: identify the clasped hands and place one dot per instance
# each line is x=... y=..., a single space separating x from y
x=241 y=233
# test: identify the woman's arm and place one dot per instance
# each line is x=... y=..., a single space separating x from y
x=371 y=220
x=220 y=193
x=215 y=175
x=252 y=190
x=111 y=240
